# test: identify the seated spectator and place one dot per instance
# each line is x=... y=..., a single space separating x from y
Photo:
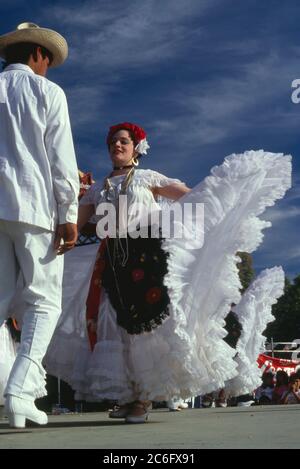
x=264 y=400
x=281 y=386
x=208 y=400
x=292 y=396
x=221 y=399
x=264 y=393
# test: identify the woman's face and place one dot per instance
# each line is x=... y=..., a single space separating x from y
x=121 y=148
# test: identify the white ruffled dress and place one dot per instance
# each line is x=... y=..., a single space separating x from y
x=186 y=355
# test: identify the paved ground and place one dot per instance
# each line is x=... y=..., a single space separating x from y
x=233 y=427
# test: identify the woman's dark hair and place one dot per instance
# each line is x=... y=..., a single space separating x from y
x=283 y=376
x=132 y=136
x=21 y=52
x=293 y=377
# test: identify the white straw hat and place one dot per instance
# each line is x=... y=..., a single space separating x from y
x=30 y=32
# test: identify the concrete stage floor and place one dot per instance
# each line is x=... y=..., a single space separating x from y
x=216 y=428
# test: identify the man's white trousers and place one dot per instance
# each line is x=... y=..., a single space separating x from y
x=27 y=256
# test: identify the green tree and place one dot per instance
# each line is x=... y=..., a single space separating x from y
x=286 y=326
x=246 y=274
x=246 y=271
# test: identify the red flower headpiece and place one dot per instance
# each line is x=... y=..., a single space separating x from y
x=138 y=133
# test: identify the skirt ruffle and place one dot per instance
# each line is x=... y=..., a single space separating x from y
x=254 y=312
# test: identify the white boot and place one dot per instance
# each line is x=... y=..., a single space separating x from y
x=27 y=376
x=18 y=410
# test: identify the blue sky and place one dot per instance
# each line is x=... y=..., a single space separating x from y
x=205 y=78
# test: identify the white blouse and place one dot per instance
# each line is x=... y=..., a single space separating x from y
x=139 y=189
x=142 y=208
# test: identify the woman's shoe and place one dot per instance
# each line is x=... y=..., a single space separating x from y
x=138 y=413
x=183 y=405
x=18 y=410
x=173 y=405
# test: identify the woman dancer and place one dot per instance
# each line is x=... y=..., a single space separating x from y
x=155 y=306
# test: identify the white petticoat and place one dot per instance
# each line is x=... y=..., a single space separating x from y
x=186 y=355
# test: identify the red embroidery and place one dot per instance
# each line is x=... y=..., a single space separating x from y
x=94 y=296
x=153 y=295
x=137 y=275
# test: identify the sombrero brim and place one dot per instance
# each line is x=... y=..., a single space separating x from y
x=48 y=38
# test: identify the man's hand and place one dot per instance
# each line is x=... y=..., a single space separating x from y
x=66 y=233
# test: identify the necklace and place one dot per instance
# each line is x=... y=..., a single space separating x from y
x=125 y=183
x=119 y=251
x=123 y=167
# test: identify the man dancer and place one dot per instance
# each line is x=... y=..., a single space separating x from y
x=38 y=203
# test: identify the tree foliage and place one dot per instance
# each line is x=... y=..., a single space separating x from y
x=286 y=326
x=246 y=271
x=246 y=274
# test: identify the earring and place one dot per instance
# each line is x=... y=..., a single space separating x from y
x=135 y=162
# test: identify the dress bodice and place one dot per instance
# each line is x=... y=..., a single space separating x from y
x=138 y=191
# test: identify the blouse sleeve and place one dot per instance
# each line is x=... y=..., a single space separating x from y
x=159 y=180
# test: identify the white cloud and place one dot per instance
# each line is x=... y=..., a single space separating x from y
x=86 y=103
x=226 y=107
x=111 y=40
x=279 y=215
x=292 y=253
x=127 y=34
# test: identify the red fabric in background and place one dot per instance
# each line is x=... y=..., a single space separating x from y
x=271 y=363
x=86 y=180
x=94 y=295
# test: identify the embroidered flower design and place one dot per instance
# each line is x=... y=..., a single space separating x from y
x=153 y=295
x=137 y=275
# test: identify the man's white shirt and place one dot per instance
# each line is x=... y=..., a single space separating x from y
x=39 y=181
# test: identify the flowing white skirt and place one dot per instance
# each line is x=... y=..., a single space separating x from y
x=186 y=355
x=254 y=312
